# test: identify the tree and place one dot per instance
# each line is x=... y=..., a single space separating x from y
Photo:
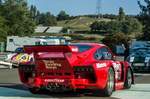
x=131 y=25
x=62 y=16
x=128 y=26
x=114 y=27
x=38 y=17
x=33 y=12
x=99 y=26
x=17 y=16
x=145 y=17
x=121 y=16
x=47 y=19
x=116 y=39
x=3 y=29
x=94 y=26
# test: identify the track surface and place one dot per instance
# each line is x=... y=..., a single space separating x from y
x=11 y=88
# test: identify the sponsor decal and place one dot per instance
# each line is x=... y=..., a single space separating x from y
x=117 y=68
x=51 y=64
x=21 y=58
x=55 y=80
x=100 y=65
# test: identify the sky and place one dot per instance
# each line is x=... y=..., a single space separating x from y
x=84 y=7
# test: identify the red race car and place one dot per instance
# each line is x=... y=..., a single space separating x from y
x=73 y=67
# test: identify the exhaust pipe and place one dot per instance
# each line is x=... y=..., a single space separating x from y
x=55 y=87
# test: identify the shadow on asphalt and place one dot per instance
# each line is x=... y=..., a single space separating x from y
x=65 y=95
x=13 y=86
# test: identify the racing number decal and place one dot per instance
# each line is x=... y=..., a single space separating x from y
x=117 y=67
x=21 y=58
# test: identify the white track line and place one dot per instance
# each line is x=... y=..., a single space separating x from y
x=142 y=74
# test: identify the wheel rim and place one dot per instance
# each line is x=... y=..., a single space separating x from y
x=129 y=77
x=111 y=81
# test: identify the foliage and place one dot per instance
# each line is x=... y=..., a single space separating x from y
x=116 y=39
x=96 y=26
x=62 y=16
x=130 y=25
x=47 y=19
x=123 y=24
x=33 y=12
x=121 y=16
x=145 y=17
x=17 y=17
x=113 y=27
x=65 y=30
x=3 y=29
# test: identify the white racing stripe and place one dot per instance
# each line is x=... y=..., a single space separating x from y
x=137 y=91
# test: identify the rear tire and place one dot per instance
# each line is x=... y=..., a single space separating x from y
x=108 y=90
x=128 y=81
x=110 y=83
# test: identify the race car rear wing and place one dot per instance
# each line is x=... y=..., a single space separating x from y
x=50 y=48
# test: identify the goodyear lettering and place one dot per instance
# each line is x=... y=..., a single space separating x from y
x=55 y=80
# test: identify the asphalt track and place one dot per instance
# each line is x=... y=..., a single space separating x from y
x=11 y=88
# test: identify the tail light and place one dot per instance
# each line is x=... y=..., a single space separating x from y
x=74 y=49
x=84 y=72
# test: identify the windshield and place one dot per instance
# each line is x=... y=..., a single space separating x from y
x=141 y=52
x=82 y=48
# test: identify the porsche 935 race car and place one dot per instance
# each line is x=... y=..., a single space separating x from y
x=72 y=67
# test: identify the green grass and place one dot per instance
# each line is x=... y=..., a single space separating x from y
x=79 y=23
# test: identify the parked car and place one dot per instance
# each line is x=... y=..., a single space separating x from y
x=60 y=68
x=140 y=59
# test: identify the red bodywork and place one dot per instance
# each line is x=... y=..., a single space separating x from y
x=65 y=67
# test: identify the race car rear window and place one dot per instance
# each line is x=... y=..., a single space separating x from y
x=83 y=48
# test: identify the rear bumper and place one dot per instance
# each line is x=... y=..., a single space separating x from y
x=63 y=84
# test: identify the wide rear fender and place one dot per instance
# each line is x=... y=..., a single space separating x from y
x=101 y=73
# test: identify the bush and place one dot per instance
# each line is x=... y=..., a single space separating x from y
x=116 y=39
x=128 y=26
